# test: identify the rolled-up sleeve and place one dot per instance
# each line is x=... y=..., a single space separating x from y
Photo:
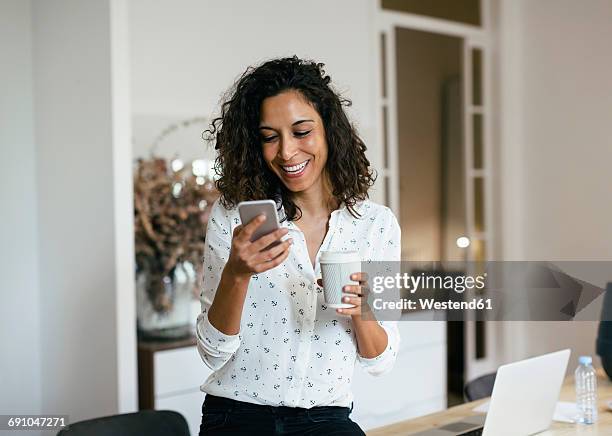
x=214 y=346
x=389 y=251
x=385 y=361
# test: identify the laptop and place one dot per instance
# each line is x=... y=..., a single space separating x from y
x=522 y=403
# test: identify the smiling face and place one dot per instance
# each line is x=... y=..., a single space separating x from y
x=293 y=141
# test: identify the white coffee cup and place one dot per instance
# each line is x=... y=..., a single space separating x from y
x=336 y=270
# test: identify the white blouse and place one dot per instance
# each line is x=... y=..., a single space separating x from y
x=292 y=350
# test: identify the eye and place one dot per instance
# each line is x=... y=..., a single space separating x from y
x=302 y=134
x=269 y=138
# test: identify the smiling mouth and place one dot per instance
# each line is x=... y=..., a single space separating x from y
x=295 y=170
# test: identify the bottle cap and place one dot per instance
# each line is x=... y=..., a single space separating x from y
x=585 y=360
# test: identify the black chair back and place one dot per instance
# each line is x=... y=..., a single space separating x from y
x=604 y=335
x=481 y=387
x=145 y=422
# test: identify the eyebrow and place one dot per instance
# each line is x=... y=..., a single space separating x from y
x=297 y=123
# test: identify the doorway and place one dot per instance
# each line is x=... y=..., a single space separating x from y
x=430 y=151
x=430 y=144
x=436 y=136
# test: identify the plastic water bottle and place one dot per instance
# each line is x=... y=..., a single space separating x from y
x=586 y=391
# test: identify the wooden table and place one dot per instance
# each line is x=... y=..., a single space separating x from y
x=602 y=427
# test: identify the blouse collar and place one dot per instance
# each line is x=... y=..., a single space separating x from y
x=342 y=210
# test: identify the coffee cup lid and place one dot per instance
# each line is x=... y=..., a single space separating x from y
x=339 y=257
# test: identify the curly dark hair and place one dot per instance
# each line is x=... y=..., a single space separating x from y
x=243 y=172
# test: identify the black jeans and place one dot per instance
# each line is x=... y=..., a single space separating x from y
x=224 y=416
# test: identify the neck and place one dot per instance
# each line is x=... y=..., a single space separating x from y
x=316 y=201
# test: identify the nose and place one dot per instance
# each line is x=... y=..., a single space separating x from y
x=288 y=148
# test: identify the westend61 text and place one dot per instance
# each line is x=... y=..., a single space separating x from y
x=432 y=304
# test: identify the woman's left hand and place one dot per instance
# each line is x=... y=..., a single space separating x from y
x=358 y=296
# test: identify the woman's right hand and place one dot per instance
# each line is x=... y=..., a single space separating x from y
x=248 y=258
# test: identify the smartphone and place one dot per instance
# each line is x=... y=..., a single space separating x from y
x=250 y=209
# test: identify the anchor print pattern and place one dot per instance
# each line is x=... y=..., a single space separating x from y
x=292 y=349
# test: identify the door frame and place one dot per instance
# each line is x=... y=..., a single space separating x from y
x=384 y=77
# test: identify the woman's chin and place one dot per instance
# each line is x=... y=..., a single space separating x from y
x=300 y=184
x=296 y=186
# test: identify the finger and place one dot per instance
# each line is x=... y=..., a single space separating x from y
x=365 y=290
x=268 y=239
x=237 y=230
x=272 y=253
x=273 y=263
x=280 y=258
x=363 y=311
x=353 y=289
x=251 y=226
x=359 y=277
x=352 y=300
x=350 y=311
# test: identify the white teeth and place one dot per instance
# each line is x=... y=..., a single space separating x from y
x=295 y=168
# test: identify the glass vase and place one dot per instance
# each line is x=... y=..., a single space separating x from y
x=167 y=314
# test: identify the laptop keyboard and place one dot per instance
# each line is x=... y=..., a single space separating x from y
x=477 y=432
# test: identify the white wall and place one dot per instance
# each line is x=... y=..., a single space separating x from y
x=67 y=261
x=556 y=73
x=20 y=364
x=568 y=147
x=85 y=252
x=187 y=54
x=567 y=90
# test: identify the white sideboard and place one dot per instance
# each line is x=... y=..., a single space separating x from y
x=416 y=385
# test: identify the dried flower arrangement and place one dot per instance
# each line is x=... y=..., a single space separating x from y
x=171 y=209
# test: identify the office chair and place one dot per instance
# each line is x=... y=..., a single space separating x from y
x=604 y=335
x=480 y=387
x=145 y=422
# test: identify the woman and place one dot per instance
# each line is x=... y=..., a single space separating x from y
x=282 y=359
